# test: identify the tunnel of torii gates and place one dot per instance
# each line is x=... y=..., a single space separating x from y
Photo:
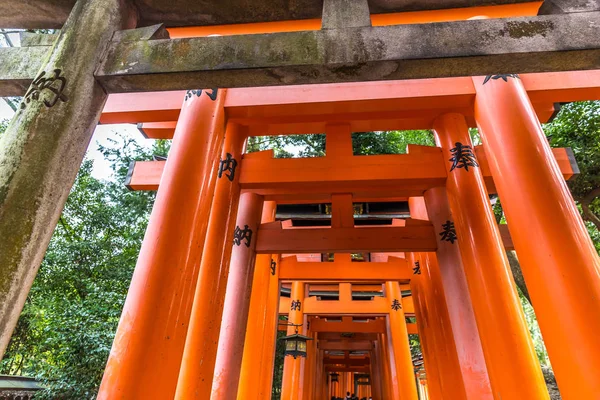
x=352 y=253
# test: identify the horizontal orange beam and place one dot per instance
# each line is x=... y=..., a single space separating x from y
x=372 y=326
x=347 y=361
x=368 y=178
x=332 y=336
x=346 y=240
x=334 y=288
x=414 y=17
x=332 y=368
x=379 y=306
x=395 y=269
x=361 y=345
x=408 y=104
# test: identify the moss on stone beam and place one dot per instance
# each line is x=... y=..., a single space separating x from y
x=463 y=48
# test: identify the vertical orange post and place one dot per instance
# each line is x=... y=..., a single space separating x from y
x=376 y=378
x=197 y=366
x=558 y=259
x=401 y=347
x=237 y=300
x=460 y=309
x=437 y=326
x=422 y=314
x=389 y=391
x=257 y=319
x=513 y=374
x=309 y=369
x=155 y=317
x=270 y=338
x=290 y=385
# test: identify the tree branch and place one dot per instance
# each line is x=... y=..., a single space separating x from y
x=585 y=202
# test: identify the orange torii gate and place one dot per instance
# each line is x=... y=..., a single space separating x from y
x=446 y=317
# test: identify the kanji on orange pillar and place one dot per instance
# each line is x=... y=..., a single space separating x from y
x=155 y=317
x=400 y=345
x=513 y=374
x=290 y=385
x=257 y=319
x=200 y=351
x=237 y=301
x=559 y=263
x=270 y=338
x=422 y=314
x=460 y=309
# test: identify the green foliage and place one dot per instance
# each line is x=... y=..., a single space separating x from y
x=65 y=332
x=577 y=126
x=363 y=143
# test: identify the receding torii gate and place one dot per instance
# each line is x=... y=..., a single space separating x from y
x=43 y=146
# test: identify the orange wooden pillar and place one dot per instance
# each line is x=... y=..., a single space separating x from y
x=513 y=374
x=437 y=339
x=309 y=368
x=200 y=352
x=237 y=300
x=388 y=390
x=290 y=385
x=401 y=348
x=391 y=359
x=558 y=259
x=375 y=373
x=257 y=319
x=470 y=357
x=270 y=338
x=423 y=321
x=155 y=317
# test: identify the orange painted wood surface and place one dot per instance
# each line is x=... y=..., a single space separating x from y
x=346 y=240
x=344 y=270
x=368 y=178
x=408 y=104
x=347 y=325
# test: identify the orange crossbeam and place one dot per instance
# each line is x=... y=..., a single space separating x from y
x=368 y=178
x=361 y=345
x=414 y=17
x=408 y=104
x=372 y=326
x=395 y=269
x=379 y=306
x=347 y=361
x=347 y=240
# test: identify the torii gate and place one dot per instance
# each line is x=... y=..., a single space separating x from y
x=66 y=98
x=276 y=180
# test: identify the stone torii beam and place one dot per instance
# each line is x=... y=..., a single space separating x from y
x=365 y=53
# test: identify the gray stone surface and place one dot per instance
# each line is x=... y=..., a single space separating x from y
x=561 y=42
x=345 y=14
x=42 y=149
x=34 y=14
x=568 y=6
x=466 y=48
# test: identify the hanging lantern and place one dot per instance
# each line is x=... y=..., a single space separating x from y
x=334 y=377
x=295 y=345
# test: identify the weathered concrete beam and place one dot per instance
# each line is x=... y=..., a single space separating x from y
x=465 y=48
